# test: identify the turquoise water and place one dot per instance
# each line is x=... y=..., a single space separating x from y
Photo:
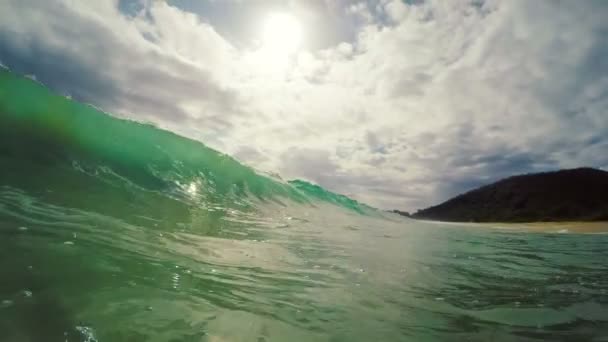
x=112 y=230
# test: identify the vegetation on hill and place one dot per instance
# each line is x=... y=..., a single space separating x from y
x=566 y=195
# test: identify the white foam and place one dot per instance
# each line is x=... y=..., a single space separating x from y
x=87 y=333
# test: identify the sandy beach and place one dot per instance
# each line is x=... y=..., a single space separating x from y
x=596 y=227
x=553 y=227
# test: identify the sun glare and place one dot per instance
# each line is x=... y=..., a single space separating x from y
x=282 y=33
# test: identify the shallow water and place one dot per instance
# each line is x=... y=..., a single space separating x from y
x=293 y=274
x=116 y=231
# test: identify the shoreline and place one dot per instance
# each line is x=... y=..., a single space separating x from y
x=596 y=227
x=553 y=227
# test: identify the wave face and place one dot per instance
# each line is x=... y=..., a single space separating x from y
x=51 y=130
x=113 y=230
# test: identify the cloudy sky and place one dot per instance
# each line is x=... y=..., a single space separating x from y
x=400 y=104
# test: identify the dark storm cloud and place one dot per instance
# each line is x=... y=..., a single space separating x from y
x=59 y=68
x=81 y=57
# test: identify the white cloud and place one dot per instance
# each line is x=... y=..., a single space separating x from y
x=427 y=99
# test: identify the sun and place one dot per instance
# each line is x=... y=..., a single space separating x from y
x=281 y=33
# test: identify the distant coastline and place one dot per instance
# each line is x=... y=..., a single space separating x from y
x=574 y=227
x=564 y=196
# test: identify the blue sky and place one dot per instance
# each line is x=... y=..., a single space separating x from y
x=400 y=104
